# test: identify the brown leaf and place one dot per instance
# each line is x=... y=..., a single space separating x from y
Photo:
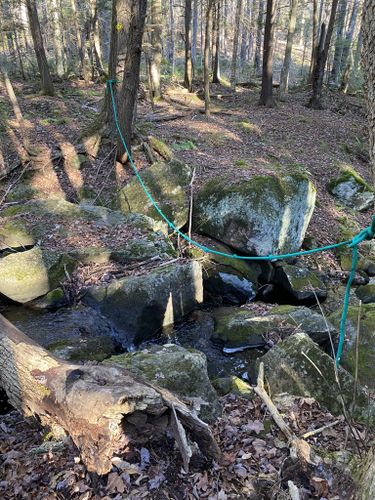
x=320 y=486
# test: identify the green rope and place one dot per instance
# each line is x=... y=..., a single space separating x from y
x=366 y=234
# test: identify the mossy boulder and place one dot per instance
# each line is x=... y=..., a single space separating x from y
x=263 y=215
x=168 y=184
x=301 y=283
x=52 y=300
x=181 y=371
x=366 y=293
x=33 y=273
x=84 y=349
x=14 y=235
x=160 y=147
x=366 y=350
x=299 y=367
x=225 y=385
x=236 y=327
x=352 y=190
x=226 y=280
x=140 y=306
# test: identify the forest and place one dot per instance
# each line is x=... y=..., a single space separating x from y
x=187 y=249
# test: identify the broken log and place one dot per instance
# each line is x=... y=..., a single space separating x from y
x=104 y=409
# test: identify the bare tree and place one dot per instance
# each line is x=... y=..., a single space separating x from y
x=315 y=37
x=266 y=97
x=188 y=57
x=216 y=45
x=207 y=47
x=237 y=24
x=156 y=46
x=284 y=77
x=47 y=85
x=258 y=41
x=339 y=45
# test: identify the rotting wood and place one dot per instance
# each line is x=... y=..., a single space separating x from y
x=103 y=408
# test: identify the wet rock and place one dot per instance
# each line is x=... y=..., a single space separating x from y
x=140 y=306
x=366 y=349
x=52 y=300
x=179 y=370
x=351 y=190
x=33 y=273
x=366 y=293
x=225 y=385
x=301 y=283
x=168 y=183
x=264 y=215
x=299 y=367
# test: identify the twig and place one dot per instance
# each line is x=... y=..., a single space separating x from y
x=320 y=429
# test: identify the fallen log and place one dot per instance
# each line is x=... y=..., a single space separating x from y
x=104 y=409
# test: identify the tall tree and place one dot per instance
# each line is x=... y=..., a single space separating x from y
x=127 y=100
x=315 y=37
x=237 y=26
x=368 y=61
x=347 y=52
x=195 y=32
x=171 y=38
x=284 y=77
x=339 y=45
x=216 y=45
x=94 y=36
x=156 y=45
x=47 y=85
x=258 y=40
x=318 y=75
x=188 y=57
x=58 y=39
x=266 y=97
x=207 y=48
x=82 y=53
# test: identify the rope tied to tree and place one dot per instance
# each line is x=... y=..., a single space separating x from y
x=367 y=233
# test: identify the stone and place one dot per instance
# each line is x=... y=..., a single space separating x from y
x=52 y=300
x=264 y=215
x=366 y=293
x=366 y=347
x=237 y=327
x=226 y=280
x=84 y=349
x=351 y=190
x=225 y=385
x=168 y=184
x=181 y=371
x=140 y=306
x=299 y=367
x=13 y=235
x=301 y=283
x=33 y=273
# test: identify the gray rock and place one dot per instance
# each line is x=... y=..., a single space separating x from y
x=140 y=306
x=300 y=282
x=168 y=183
x=299 y=367
x=33 y=273
x=179 y=370
x=351 y=190
x=264 y=215
x=366 y=293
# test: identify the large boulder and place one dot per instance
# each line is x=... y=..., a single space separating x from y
x=226 y=280
x=33 y=273
x=236 y=327
x=182 y=371
x=263 y=215
x=301 y=283
x=168 y=184
x=366 y=342
x=299 y=367
x=140 y=306
x=352 y=190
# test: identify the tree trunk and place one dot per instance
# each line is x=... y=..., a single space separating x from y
x=237 y=25
x=172 y=36
x=368 y=61
x=258 y=42
x=80 y=42
x=266 y=98
x=195 y=32
x=347 y=55
x=315 y=37
x=128 y=94
x=57 y=40
x=318 y=76
x=216 y=45
x=207 y=46
x=339 y=45
x=284 y=77
x=156 y=46
x=47 y=85
x=94 y=36
x=188 y=80
x=92 y=404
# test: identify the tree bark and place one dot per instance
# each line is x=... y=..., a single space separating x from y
x=57 y=40
x=266 y=98
x=368 y=61
x=195 y=32
x=46 y=80
x=102 y=408
x=347 y=52
x=258 y=41
x=315 y=37
x=284 y=77
x=128 y=94
x=188 y=80
x=207 y=46
x=216 y=45
x=80 y=42
x=94 y=36
x=318 y=76
x=237 y=24
x=339 y=45
x=156 y=46
x=171 y=36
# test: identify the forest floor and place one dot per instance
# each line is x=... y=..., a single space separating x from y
x=254 y=463
x=240 y=138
